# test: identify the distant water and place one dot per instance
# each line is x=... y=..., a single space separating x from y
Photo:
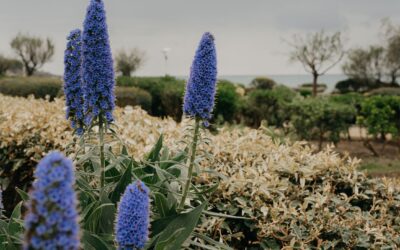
x=287 y=80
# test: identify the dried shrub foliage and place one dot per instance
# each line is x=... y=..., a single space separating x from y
x=299 y=199
x=294 y=197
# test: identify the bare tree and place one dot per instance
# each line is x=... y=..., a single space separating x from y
x=317 y=52
x=129 y=62
x=366 y=64
x=377 y=62
x=34 y=52
x=392 y=35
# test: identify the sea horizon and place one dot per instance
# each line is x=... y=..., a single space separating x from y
x=289 y=80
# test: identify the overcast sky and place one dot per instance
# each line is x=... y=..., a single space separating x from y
x=249 y=34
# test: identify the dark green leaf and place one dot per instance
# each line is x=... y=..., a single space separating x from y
x=125 y=180
x=23 y=194
x=154 y=154
x=95 y=241
x=184 y=224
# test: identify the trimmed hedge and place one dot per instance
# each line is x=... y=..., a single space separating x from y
x=40 y=87
x=166 y=93
x=133 y=96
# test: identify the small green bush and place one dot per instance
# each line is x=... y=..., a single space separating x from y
x=171 y=102
x=40 y=87
x=305 y=92
x=351 y=99
x=133 y=96
x=262 y=83
x=352 y=85
x=270 y=105
x=166 y=93
x=227 y=104
x=380 y=115
x=320 y=119
x=306 y=88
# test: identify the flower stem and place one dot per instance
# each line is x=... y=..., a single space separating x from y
x=191 y=162
x=101 y=145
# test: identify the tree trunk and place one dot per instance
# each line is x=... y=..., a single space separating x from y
x=315 y=82
x=29 y=70
x=393 y=77
x=321 y=139
x=126 y=73
x=371 y=148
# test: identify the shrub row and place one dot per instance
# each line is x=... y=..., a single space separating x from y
x=40 y=87
x=50 y=87
x=293 y=197
x=324 y=118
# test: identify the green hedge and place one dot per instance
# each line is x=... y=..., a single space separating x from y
x=166 y=93
x=269 y=105
x=133 y=96
x=40 y=87
x=321 y=119
x=352 y=85
x=227 y=102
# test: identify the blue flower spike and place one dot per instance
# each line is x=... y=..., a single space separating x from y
x=98 y=69
x=201 y=86
x=73 y=85
x=52 y=219
x=132 y=226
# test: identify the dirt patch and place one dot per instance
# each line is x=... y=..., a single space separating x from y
x=387 y=164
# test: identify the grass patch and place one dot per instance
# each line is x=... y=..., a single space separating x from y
x=381 y=167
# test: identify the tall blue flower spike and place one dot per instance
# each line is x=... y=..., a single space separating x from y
x=73 y=87
x=200 y=88
x=98 y=70
x=132 y=227
x=52 y=218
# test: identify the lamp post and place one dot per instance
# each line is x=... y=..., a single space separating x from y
x=166 y=51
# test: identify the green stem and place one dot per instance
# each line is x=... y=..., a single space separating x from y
x=191 y=162
x=101 y=145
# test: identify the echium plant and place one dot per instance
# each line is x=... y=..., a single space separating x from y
x=52 y=219
x=199 y=96
x=98 y=70
x=73 y=87
x=132 y=226
x=98 y=74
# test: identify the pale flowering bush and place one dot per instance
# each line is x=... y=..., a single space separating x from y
x=279 y=186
